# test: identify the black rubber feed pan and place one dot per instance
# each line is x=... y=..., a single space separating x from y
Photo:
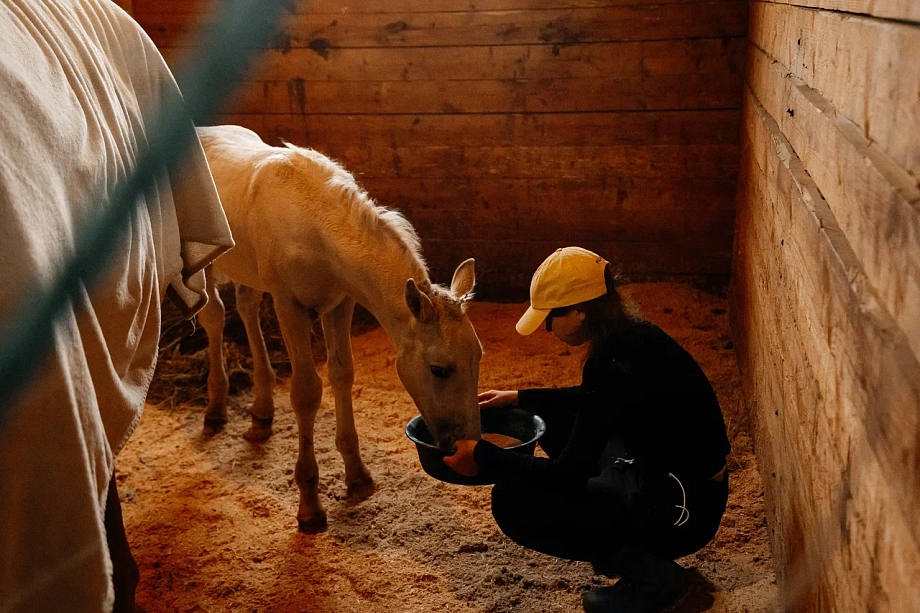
x=522 y=425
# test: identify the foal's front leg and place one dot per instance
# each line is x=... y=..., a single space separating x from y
x=248 y=301
x=337 y=332
x=306 y=394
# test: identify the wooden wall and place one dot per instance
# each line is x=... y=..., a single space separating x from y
x=826 y=292
x=507 y=128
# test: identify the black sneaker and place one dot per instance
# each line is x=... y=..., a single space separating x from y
x=610 y=598
x=633 y=597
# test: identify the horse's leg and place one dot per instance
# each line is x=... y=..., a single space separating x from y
x=248 y=301
x=306 y=393
x=212 y=319
x=337 y=332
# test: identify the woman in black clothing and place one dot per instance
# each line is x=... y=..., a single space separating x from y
x=636 y=470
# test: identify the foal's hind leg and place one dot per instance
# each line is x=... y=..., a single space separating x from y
x=306 y=393
x=248 y=301
x=212 y=319
x=337 y=331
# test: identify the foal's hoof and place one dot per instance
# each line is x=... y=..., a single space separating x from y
x=314 y=524
x=214 y=424
x=257 y=434
x=259 y=430
x=359 y=490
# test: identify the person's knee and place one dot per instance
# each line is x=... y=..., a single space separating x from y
x=502 y=501
x=511 y=504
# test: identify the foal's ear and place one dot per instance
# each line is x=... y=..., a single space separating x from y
x=419 y=304
x=464 y=279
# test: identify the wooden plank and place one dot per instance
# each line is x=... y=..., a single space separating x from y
x=495 y=276
x=638 y=59
x=840 y=540
x=714 y=161
x=878 y=550
x=542 y=130
x=625 y=193
x=338 y=7
x=375 y=160
x=873 y=203
x=902 y=10
x=863 y=364
x=590 y=222
x=840 y=511
x=820 y=569
x=503 y=27
x=625 y=209
x=653 y=92
x=752 y=312
x=866 y=68
x=774 y=362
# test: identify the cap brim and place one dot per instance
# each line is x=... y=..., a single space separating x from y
x=530 y=321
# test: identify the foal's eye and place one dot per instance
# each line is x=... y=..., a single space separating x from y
x=441 y=372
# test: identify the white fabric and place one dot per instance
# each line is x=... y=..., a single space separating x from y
x=79 y=85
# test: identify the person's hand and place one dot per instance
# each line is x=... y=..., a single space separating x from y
x=462 y=461
x=498 y=398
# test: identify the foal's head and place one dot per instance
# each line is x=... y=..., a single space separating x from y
x=438 y=358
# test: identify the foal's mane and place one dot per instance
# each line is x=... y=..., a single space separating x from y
x=383 y=222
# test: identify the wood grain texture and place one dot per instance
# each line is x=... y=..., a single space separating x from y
x=638 y=59
x=522 y=129
x=612 y=122
x=516 y=162
x=353 y=29
x=903 y=10
x=835 y=388
x=867 y=69
x=872 y=199
x=339 y=7
x=705 y=197
x=539 y=95
x=504 y=267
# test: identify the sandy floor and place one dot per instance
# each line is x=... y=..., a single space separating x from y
x=212 y=520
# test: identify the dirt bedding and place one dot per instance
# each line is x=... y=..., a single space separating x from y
x=212 y=520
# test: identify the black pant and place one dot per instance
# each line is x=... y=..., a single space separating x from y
x=573 y=523
x=567 y=520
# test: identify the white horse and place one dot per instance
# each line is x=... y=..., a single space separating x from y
x=309 y=235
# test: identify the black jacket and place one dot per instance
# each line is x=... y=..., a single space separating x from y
x=642 y=392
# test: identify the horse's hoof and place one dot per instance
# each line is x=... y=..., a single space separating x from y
x=315 y=524
x=257 y=433
x=362 y=489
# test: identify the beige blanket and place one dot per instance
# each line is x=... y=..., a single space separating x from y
x=79 y=85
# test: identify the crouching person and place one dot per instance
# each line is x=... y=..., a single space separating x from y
x=636 y=474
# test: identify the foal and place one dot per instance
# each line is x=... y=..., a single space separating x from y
x=309 y=235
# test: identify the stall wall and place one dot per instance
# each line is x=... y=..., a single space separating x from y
x=826 y=292
x=507 y=128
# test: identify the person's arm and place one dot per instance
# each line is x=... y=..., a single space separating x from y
x=551 y=403
x=593 y=427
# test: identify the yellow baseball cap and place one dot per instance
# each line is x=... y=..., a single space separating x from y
x=571 y=275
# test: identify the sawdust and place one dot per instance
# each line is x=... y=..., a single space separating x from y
x=212 y=520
